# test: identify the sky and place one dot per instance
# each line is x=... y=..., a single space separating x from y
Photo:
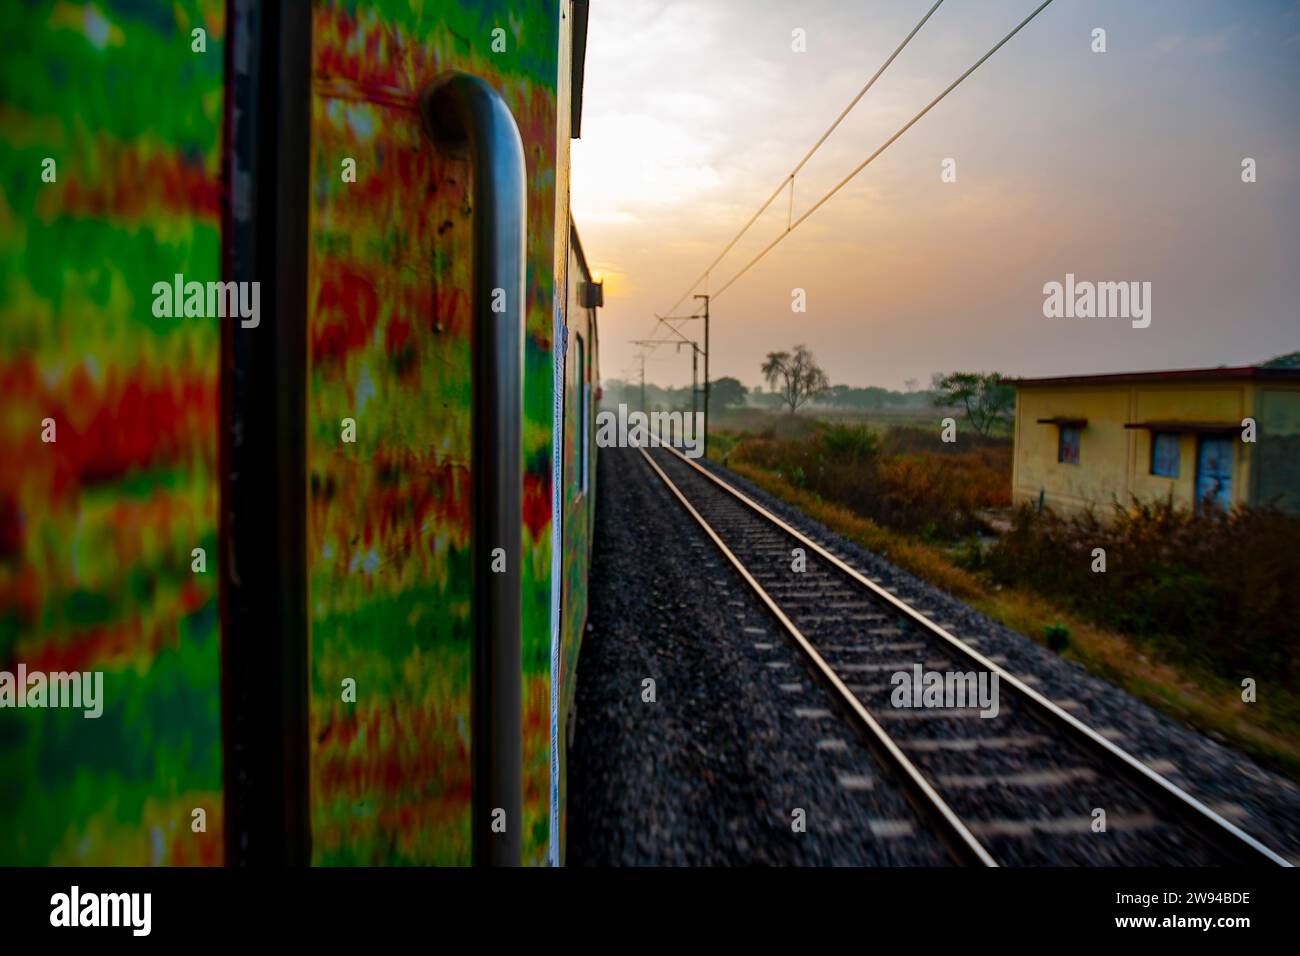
x=1122 y=166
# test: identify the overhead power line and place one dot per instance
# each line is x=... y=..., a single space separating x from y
x=866 y=162
x=788 y=181
x=792 y=225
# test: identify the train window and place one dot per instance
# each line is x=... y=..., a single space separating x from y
x=583 y=397
x=586 y=432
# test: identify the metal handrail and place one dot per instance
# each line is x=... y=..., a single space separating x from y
x=464 y=114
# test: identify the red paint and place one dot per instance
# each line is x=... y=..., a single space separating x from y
x=138 y=184
x=537 y=505
x=134 y=419
x=350 y=301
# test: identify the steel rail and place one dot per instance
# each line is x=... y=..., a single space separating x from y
x=1211 y=826
x=960 y=839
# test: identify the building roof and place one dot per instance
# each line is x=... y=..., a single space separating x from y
x=1233 y=373
x=1178 y=425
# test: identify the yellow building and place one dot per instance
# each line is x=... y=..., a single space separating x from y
x=1097 y=439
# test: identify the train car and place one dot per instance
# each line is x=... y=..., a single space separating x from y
x=298 y=352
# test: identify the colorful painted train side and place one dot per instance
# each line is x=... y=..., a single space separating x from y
x=298 y=369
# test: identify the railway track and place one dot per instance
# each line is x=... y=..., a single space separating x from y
x=1027 y=785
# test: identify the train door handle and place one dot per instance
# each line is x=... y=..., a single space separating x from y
x=464 y=114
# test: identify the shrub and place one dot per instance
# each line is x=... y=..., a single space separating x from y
x=1217 y=589
x=1057 y=636
x=902 y=482
x=847 y=444
x=971 y=555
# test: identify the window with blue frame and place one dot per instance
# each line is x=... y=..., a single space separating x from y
x=1067 y=445
x=1166 y=449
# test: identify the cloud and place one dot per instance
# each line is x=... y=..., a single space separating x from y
x=1210 y=44
x=1104 y=166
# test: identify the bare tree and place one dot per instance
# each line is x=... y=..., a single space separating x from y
x=796 y=376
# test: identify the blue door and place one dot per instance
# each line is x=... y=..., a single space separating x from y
x=1214 y=471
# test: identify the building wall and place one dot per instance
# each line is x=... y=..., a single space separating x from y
x=1227 y=402
x=1104 y=449
x=1114 y=461
x=1277 y=479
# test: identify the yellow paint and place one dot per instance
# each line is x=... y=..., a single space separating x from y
x=1115 y=462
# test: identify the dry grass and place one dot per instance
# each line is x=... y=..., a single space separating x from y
x=906 y=479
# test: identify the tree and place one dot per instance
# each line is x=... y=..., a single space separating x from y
x=726 y=393
x=1290 y=360
x=795 y=376
x=985 y=398
x=871 y=397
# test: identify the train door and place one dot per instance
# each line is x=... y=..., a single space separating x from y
x=430 y=371
x=1214 y=454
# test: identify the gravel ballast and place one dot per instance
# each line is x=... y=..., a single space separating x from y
x=738 y=739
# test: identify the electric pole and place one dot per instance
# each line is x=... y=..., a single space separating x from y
x=695 y=359
x=705 y=297
x=695 y=378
